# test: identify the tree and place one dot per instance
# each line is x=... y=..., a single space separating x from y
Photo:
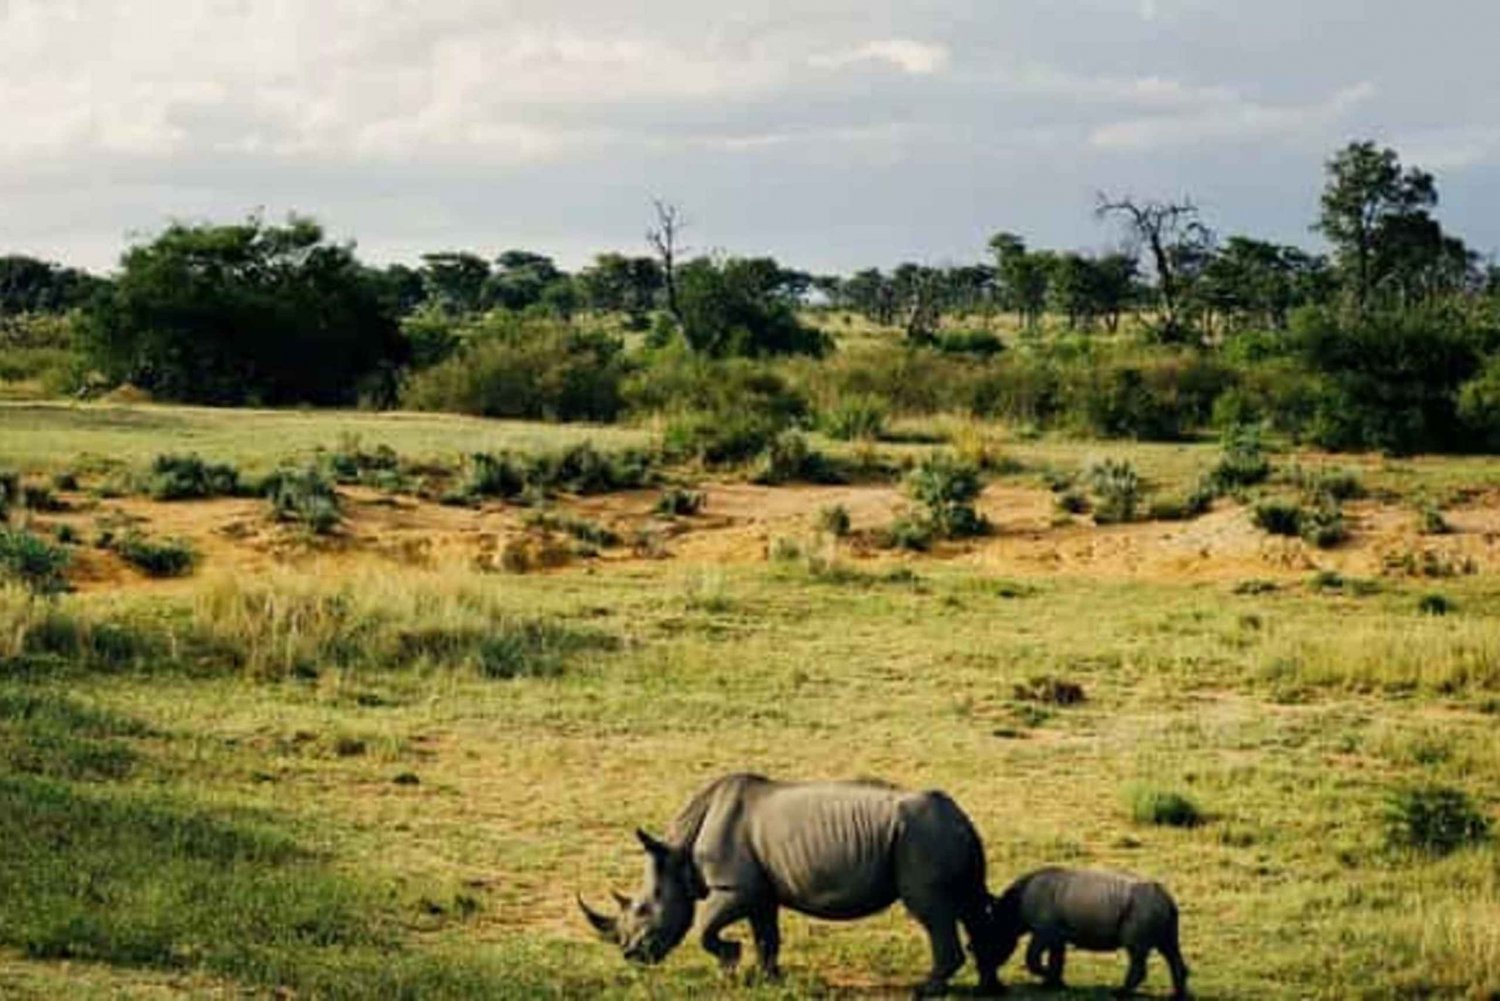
x=1179 y=245
x=663 y=238
x=727 y=309
x=247 y=313
x=522 y=279
x=1021 y=277
x=616 y=283
x=29 y=285
x=1368 y=203
x=455 y=281
x=1251 y=282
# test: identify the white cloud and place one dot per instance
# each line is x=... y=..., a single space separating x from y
x=909 y=56
x=1228 y=117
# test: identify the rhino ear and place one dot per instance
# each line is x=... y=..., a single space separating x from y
x=652 y=846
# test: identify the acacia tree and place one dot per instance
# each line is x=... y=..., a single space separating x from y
x=1021 y=277
x=1179 y=245
x=1368 y=203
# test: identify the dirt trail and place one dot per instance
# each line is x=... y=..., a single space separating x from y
x=739 y=523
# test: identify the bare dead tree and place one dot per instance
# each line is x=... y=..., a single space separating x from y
x=663 y=238
x=1174 y=236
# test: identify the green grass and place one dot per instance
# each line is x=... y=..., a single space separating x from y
x=52 y=436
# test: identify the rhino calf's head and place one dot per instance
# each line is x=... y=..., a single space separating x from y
x=650 y=925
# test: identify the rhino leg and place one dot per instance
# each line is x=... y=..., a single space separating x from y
x=1035 y=949
x=1135 y=974
x=1173 y=955
x=981 y=934
x=1056 y=957
x=947 y=954
x=721 y=910
x=767 y=933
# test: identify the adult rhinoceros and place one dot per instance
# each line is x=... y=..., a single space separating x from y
x=747 y=846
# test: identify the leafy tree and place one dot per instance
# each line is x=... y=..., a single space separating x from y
x=522 y=279
x=1251 y=282
x=29 y=285
x=727 y=309
x=1373 y=212
x=455 y=280
x=619 y=284
x=1021 y=277
x=246 y=313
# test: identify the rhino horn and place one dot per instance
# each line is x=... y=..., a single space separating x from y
x=649 y=843
x=620 y=899
x=607 y=927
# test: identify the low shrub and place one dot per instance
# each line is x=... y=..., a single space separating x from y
x=947 y=488
x=1183 y=507
x=498 y=474
x=788 y=458
x=589 y=532
x=32 y=561
x=1243 y=462
x=718 y=438
x=676 y=502
x=188 y=477
x=1433 y=819
x=1436 y=604
x=1324 y=526
x=1278 y=517
x=909 y=531
x=1162 y=807
x=1431 y=521
x=969 y=342
x=834 y=519
x=305 y=497
x=156 y=558
x=859 y=417
x=1117 y=491
x=39 y=497
x=352 y=463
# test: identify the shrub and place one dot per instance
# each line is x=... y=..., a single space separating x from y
x=1432 y=522
x=10 y=491
x=908 y=531
x=969 y=342
x=351 y=463
x=156 y=558
x=527 y=368
x=1052 y=690
x=1323 y=526
x=1278 y=517
x=1117 y=490
x=860 y=417
x=1243 y=463
x=583 y=469
x=1163 y=808
x=718 y=438
x=834 y=519
x=947 y=487
x=32 y=561
x=498 y=474
x=1073 y=501
x=679 y=502
x=305 y=497
x=188 y=477
x=1433 y=819
x=788 y=458
x=1436 y=604
x=585 y=531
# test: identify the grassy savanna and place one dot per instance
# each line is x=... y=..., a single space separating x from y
x=358 y=776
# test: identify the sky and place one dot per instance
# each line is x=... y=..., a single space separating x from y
x=833 y=135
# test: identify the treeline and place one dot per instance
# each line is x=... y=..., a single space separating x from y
x=1389 y=341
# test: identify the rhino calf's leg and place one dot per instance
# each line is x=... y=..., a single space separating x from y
x=1035 y=949
x=767 y=940
x=719 y=912
x=1056 y=957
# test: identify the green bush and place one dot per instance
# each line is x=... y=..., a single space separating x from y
x=1117 y=491
x=788 y=458
x=947 y=488
x=677 y=502
x=1243 y=462
x=305 y=497
x=969 y=342
x=1278 y=517
x=156 y=558
x=1432 y=522
x=1433 y=819
x=834 y=519
x=860 y=417
x=1161 y=807
x=1323 y=525
x=40 y=498
x=188 y=477
x=32 y=561
x=718 y=438
x=909 y=531
x=1183 y=507
x=585 y=531
x=525 y=368
x=351 y=463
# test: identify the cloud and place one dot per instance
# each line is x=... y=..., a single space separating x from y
x=911 y=57
x=1228 y=117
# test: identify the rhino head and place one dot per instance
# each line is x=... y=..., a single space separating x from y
x=650 y=925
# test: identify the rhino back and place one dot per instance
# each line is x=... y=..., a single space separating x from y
x=827 y=847
x=1086 y=907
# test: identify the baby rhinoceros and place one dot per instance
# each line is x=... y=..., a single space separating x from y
x=1093 y=910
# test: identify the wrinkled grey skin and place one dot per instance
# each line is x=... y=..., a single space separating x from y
x=746 y=846
x=1093 y=910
